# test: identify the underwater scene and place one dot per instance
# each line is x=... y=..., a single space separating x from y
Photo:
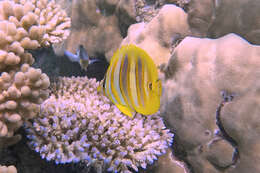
x=129 y=86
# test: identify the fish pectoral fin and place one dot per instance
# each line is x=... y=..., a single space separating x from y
x=101 y=86
x=72 y=57
x=126 y=110
x=100 y=89
x=91 y=61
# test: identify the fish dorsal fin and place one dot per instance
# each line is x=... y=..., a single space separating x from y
x=91 y=61
x=126 y=110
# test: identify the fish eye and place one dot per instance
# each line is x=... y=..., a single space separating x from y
x=150 y=85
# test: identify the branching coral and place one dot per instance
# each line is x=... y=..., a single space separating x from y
x=25 y=25
x=78 y=124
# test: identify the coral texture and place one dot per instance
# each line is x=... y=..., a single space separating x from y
x=7 y=169
x=159 y=35
x=168 y=164
x=78 y=124
x=146 y=10
x=99 y=25
x=219 y=17
x=25 y=25
x=196 y=74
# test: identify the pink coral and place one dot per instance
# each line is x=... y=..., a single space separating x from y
x=77 y=123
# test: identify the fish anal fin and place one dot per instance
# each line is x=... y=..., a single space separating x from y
x=126 y=110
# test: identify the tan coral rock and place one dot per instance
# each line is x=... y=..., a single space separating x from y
x=18 y=11
x=16 y=48
x=197 y=72
x=158 y=36
x=28 y=20
x=14 y=118
x=3 y=129
x=8 y=169
x=98 y=32
x=126 y=14
x=27 y=43
x=98 y=25
x=26 y=91
x=12 y=59
x=220 y=153
x=15 y=88
x=168 y=164
x=217 y=18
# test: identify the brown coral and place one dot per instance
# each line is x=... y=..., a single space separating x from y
x=158 y=36
x=198 y=71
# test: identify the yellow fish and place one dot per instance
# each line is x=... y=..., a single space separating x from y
x=132 y=83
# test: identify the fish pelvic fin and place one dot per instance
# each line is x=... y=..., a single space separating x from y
x=126 y=110
x=100 y=89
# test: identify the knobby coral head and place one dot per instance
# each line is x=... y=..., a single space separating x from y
x=78 y=124
x=25 y=24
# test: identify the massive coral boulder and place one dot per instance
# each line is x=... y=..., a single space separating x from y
x=159 y=35
x=198 y=71
x=219 y=17
x=98 y=25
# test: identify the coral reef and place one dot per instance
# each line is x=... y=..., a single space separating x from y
x=198 y=71
x=25 y=25
x=78 y=124
x=168 y=164
x=216 y=18
x=159 y=35
x=99 y=25
x=146 y=10
x=7 y=169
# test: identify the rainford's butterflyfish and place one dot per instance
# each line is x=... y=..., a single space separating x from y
x=132 y=83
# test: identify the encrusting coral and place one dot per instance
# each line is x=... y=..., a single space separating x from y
x=25 y=25
x=199 y=70
x=159 y=35
x=79 y=124
x=8 y=169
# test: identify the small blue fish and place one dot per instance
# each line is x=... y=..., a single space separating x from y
x=81 y=57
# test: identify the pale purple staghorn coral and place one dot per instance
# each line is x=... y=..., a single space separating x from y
x=78 y=124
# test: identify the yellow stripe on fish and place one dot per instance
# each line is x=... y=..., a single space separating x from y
x=132 y=83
